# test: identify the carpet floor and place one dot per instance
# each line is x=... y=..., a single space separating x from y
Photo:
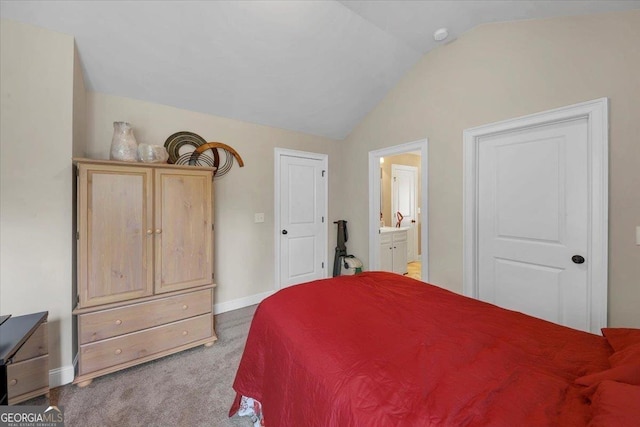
x=191 y=388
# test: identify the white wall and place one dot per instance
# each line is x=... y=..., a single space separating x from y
x=79 y=108
x=501 y=71
x=244 y=250
x=79 y=149
x=36 y=117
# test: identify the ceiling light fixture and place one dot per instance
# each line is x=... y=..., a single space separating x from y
x=440 y=34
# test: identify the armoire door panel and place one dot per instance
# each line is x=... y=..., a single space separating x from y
x=183 y=230
x=117 y=262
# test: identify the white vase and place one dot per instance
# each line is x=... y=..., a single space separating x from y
x=124 y=146
x=152 y=153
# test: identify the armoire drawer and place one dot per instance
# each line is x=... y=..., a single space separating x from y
x=27 y=376
x=119 y=321
x=36 y=345
x=126 y=348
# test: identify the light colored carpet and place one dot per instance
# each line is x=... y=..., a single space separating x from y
x=191 y=388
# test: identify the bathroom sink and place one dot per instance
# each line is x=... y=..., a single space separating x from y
x=392 y=229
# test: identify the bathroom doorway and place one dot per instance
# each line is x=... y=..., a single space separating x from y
x=382 y=215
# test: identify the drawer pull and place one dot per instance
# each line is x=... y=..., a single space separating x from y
x=118 y=351
x=185 y=333
x=13 y=382
x=118 y=322
x=185 y=306
x=158 y=231
x=150 y=231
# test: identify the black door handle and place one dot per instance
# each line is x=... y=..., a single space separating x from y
x=578 y=259
x=284 y=231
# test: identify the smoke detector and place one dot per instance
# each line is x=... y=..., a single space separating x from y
x=440 y=34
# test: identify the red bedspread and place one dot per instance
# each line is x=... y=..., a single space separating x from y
x=378 y=349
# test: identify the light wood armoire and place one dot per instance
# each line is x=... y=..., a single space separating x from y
x=144 y=263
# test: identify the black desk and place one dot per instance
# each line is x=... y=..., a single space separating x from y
x=13 y=333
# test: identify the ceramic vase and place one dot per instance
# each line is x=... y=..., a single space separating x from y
x=124 y=146
x=152 y=153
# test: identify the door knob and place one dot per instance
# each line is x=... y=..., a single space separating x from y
x=578 y=259
x=284 y=231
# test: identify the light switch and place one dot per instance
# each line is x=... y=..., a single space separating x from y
x=638 y=235
x=259 y=217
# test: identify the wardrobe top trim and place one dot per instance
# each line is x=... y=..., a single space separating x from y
x=80 y=160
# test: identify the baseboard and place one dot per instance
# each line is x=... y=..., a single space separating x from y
x=61 y=376
x=240 y=302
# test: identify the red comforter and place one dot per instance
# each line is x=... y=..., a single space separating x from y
x=378 y=349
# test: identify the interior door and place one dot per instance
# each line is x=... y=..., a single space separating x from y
x=404 y=200
x=183 y=229
x=533 y=221
x=302 y=219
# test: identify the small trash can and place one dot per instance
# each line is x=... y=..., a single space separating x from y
x=351 y=265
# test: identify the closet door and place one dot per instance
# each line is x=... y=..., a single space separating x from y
x=183 y=229
x=115 y=238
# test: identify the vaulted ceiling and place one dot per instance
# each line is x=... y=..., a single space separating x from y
x=312 y=66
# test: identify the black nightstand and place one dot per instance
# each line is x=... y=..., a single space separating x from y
x=14 y=335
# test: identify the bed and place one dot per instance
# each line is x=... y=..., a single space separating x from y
x=379 y=349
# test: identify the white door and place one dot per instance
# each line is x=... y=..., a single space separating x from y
x=302 y=225
x=404 y=195
x=533 y=221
